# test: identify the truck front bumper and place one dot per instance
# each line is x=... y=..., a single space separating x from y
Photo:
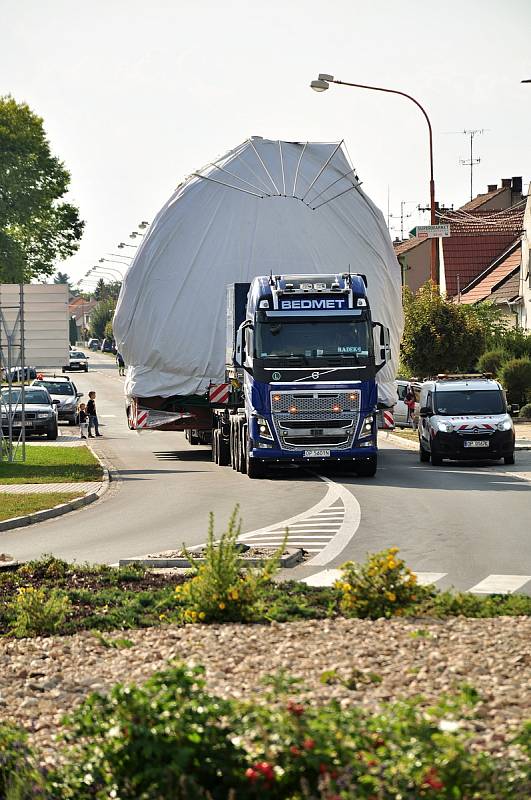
x=274 y=454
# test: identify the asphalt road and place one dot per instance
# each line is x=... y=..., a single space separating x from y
x=462 y=522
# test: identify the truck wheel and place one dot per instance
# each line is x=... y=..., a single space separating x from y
x=255 y=468
x=223 y=450
x=366 y=469
x=423 y=454
x=509 y=459
x=243 y=449
x=215 y=440
x=232 y=439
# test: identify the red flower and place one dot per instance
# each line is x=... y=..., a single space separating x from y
x=294 y=750
x=432 y=780
x=266 y=769
x=308 y=744
x=323 y=769
x=251 y=774
x=295 y=708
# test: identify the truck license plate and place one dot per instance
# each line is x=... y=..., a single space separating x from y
x=316 y=453
x=476 y=442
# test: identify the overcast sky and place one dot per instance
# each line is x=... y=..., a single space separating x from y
x=136 y=95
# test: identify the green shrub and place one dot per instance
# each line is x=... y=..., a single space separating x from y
x=381 y=587
x=491 y=361
x=36 y=612
x=525 y=411
x=220 y=589
x=19 y=777
x=516 y=378
x=169 y=738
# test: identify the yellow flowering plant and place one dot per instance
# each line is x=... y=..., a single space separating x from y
x=220 y=589
x=383 y=586
x=37 y=612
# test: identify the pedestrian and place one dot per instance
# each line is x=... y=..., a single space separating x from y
x=121 y=364
x=410 y=401
x=92 y=416
x=83 y=420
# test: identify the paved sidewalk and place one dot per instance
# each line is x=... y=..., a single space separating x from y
x=82 y=487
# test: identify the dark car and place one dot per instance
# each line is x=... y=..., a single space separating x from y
x=40 y=414
x=65 y=392
x=108 y=346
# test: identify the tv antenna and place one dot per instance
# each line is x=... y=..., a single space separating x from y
x=471 y=162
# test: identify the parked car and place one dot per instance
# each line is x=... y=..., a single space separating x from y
x=65 y=392
x=77 y=360
x=108 y=346
x=17 y=372
x=40 y=412
x=400 y=412
x=94 y=344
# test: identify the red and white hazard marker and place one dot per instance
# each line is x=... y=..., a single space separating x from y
x=219 y=393
x=388 y=419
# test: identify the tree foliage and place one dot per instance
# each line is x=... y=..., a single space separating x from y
x=440 y=336
x=516 y=378
x=101 y=315
x=61 y=277
x=37 y=228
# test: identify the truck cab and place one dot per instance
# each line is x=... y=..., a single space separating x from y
x=464 y=417
x=306 y=357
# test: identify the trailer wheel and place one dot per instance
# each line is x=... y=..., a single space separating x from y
x=223 y=450
x=215 y=443
x=233 y=444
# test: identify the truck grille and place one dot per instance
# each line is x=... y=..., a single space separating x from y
x=329 y=418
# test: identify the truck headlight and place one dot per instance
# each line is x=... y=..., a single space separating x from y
x=366 y=428
x=264 y=431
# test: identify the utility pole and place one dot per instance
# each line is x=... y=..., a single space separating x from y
x=471 y=162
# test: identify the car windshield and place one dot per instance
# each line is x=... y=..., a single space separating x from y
x=284 y=338
x=77 y=354
x=61 y=387
x=463 y=403
x=31 y=397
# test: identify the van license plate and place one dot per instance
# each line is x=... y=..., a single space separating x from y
x=476 y=442
x=317 y=454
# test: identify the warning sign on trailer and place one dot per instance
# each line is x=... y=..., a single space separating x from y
x=432 y=231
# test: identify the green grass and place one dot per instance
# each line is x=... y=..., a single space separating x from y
x=406 y=433
x=18 y=505
x=48 y=464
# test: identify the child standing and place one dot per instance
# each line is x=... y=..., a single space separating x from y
x=83 y=420
x=92 y=415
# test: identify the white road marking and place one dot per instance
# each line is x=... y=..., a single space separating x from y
x=427 y=578
x=107 y=416
x=327 y=577
x=500 y=584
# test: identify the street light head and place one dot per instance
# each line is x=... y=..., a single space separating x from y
x=319 y=85
x=121 y=245
x=527 y=80
x=143 y=224
x=102 y=260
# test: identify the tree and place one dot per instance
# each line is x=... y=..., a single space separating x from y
x=107 y=291
x=109 y=333
x=61 y=277
x=439 y=336
x=37 y=228
x=99 y=291
x=100 y=316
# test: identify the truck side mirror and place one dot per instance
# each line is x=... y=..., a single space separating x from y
x=384 y=347
x=239 y=351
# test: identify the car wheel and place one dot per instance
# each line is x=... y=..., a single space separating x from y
x=509 y=459
x=436 y=458
x=86 y=368
x=423 y=454
x=52 y=435
x=63 y=370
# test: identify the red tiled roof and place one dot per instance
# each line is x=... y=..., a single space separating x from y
x=481 y=199
x=409 y=244
x=466 y=257
x=485 y=222
x=494 y=276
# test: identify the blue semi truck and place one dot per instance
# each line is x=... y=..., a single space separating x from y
x=302 y=357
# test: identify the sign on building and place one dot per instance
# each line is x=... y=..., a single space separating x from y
x=431 y=231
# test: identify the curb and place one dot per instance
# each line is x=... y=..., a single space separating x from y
x=293 y=558
x=64 y=508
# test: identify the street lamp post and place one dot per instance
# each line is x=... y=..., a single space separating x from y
x=109 y=271
x=124 y=244
x=323 y=83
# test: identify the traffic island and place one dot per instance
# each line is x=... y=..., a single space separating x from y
x=250 y=557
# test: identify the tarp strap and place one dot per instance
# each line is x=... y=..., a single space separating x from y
x=297 y=170
x=264 y=166
x=327 y=162
x=228 y=185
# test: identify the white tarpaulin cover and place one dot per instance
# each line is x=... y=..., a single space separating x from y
x=285 y=207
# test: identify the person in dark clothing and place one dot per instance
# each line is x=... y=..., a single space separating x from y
x=83 y=420
x=121 y=364
x=92 y=415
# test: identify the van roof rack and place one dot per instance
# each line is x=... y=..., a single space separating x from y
x=447 y=376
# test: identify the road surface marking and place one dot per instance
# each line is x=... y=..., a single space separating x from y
x=324 y=529
x=500 y=584
x=107 y=416
x=327 y=577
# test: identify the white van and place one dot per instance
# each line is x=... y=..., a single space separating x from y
x=464 y=417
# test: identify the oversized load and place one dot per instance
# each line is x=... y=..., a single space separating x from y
x=266 y=207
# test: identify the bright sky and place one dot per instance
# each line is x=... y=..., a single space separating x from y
x=137 y=94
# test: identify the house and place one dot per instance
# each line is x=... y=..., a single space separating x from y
x=525 y=269
x=81 y=309
x=500 y=284
x=480 y=232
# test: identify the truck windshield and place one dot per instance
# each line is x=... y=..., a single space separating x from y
x=319 y=339
x=450 y=404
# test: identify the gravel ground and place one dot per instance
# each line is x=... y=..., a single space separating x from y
x=42 y=678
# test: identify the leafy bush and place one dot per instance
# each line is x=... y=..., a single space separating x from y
x=513 y=341
x=516 y=378
x=165 y=739
x=381 y=587
x=169 y=738
x=19 y=777
x=525 y=411
x=491 y=361
x=35 y=612
x=220 y=590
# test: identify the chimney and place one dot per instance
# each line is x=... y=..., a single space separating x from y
x=492 y=187
x=517 y=185
x=506 y=183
